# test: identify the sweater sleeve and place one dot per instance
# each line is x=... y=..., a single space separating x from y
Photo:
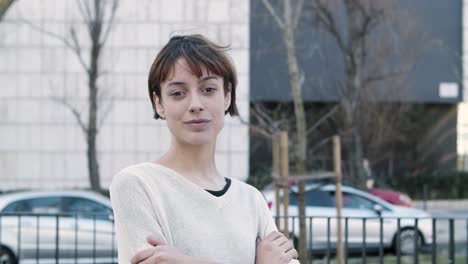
x=134 y=216
x=267 y=223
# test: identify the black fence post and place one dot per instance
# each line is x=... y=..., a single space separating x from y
x=38 y=241
x=328 y=240
x=451 y=242
x=57 y=239
x=364 y=247
x=346 y=241
x=416 y=242
x=76 y=238
x=398 y=241
x=19 y=237
x=310 y=241
x=381 y=241
x=94 y=239
x=434 y=241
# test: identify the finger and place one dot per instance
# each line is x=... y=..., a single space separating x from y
x=152 y=240
x=142 y=255
x=151 y=260
x=257 y=242
x=293 y=253
x=286 y=246
x=273 y=235
x=281 y=240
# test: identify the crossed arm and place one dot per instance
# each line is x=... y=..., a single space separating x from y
x=274 y=249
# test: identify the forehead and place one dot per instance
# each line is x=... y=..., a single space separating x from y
x=184 y=69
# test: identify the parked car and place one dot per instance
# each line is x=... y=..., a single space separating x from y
x=357 y=206
x=386 y=194
x=391 y=196
x=72 y=224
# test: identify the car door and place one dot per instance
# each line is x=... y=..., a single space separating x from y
x=363 y=222
x=93 y=233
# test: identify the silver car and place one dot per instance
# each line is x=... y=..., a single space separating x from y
x=357 y=206
x=40 y=227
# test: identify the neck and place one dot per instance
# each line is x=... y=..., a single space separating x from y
x=195 y=162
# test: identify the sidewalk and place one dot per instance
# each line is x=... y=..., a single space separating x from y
x=447 y=204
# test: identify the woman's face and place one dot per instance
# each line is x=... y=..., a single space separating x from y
x=193 y=107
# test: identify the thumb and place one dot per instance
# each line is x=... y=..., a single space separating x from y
x=152 y=240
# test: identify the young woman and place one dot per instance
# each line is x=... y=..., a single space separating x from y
x=180 y=208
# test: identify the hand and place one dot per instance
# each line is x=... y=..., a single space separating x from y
x=160 y=253
x=275 y=249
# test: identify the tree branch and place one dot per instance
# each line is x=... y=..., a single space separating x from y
x=322 y=119
x=115 y=4
x=255 y=128
x=74 y=46
x=273 y=13
x=383 y=77
x=325 y=17
x=63 y=101
x=297 y=13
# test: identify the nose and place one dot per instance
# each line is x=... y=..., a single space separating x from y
x=195 y=103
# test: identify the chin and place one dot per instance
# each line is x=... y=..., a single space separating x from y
x=198 y=139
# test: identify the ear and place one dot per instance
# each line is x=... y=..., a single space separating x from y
x=227 y=99
x=158 y=105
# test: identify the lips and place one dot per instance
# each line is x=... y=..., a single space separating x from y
x=197 y=121
x=198 y=124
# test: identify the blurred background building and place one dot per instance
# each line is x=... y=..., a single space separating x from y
x=41 y=143
x=423 y=36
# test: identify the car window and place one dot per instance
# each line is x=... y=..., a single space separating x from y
x=354 y=201
x=16 y=207
x=86 y=208
x=314 y=198
x=49 y=205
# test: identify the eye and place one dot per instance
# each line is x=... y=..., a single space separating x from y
x=177 y=94
x=210 y=89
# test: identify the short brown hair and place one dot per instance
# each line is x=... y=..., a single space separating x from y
x=199 y=53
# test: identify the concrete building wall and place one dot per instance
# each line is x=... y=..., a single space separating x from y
x=41 y=145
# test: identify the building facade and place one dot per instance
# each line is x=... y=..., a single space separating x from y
x=41 y=144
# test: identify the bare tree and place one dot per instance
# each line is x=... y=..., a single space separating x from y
x=4 y=6
x=98 y=17
x=378 y=46
x=371 y=38
x=287 y=23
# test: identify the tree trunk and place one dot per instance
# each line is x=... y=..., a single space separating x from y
x=93 y=164
x=301 y=143
x=93 y=74
x=359 y=176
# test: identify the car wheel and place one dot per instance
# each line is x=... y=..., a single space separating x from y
x=6 y=256
x=407 y=237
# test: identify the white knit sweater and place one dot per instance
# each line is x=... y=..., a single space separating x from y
x=150 y=199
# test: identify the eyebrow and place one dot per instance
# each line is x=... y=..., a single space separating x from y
x=199 y=81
